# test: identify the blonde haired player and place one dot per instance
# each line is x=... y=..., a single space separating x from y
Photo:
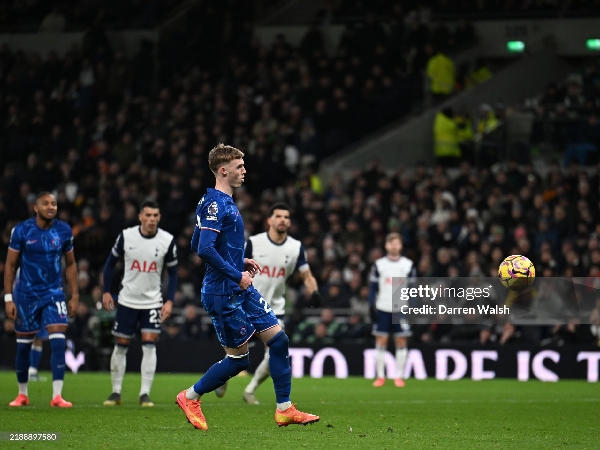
x=393 y=265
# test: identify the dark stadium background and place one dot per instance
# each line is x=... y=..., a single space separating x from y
x=111 y=103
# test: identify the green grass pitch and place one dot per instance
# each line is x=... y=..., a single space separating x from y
x=425 y=414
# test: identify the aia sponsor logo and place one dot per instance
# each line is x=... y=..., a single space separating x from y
x=143 y=266
x=273 y=272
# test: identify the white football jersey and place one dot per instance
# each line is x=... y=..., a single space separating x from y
x=278 y=262
x=382 y=273
x=144 y=258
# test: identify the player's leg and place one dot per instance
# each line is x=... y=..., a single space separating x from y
x=381 y=331
x=24 y=342
x=123 y=330
x=261 y=373
x=55 y=320
x=150 y=321
x=402 y=332
x=36 y=355
x=58 y=346
x=27 y=324
x=270 y=332
x=233 y=333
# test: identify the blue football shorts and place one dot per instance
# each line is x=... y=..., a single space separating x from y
x=385 y=325
x=37 y=311
x=237 y=317
x=127 y=320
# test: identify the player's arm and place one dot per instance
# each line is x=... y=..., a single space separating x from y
x=71 y=274
x=310 y=283
x=10 y=270
x=171 y=263
x=207 y=251
x=109 y=272
x=373 y=290
x=209 y=225
x=412 y=283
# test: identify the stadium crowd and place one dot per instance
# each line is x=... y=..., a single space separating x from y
x=89 y=127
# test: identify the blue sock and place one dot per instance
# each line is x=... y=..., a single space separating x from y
x=279 y=365
x=35 y=357
x=22 y=359
x=57 y=359
x=220 y=372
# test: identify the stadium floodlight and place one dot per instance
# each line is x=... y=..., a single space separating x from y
x=593 y=44
x=515 y=46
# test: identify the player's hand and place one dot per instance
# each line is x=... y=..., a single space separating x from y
x=108 y=302
x=11 y=310
x=373 y=314
x=73 y=304
x=252 y=267
x=246 y=280
x=315 y=300
x=166 y=310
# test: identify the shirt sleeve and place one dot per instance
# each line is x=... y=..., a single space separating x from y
x=171 y=256
x=374 y=276
x=119 y=247
x=248 y=249
x=68 y=245
x=16 y=239
x=302 y=263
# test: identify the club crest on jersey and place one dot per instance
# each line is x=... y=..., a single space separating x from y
x=144 y=266
x=56 y=243
x=213 y=210
x=273 y=272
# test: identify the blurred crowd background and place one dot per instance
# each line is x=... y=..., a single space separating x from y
x=105 y=130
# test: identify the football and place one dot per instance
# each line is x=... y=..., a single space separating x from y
x=516 y=272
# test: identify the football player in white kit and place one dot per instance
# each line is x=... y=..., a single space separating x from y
x=145 y=249
x=393 y=265
x=279 y=255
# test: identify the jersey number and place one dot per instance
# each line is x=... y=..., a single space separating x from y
x=266 y=305
x=62 y=308
x=154 y=316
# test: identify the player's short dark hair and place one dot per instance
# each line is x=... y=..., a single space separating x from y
x=149 y=204
x=222 y=154
x=43 y=194
x=278 y=205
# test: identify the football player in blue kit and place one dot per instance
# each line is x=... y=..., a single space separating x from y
x=37 y=246
x=236 y=308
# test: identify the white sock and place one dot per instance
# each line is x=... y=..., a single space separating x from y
x=33 y=371
x=191 y=394
x=23 y=389
x=57 y=386
x=380 y=361
x=401 y=354
x=283 y=406
x=261 y=374
x=148 y=367
x=118 y=364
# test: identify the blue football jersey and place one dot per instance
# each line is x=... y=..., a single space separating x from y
x=40 y=269
x=218 y=213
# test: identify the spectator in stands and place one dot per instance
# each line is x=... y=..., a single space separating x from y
x=446 y=139
x=441 y=75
